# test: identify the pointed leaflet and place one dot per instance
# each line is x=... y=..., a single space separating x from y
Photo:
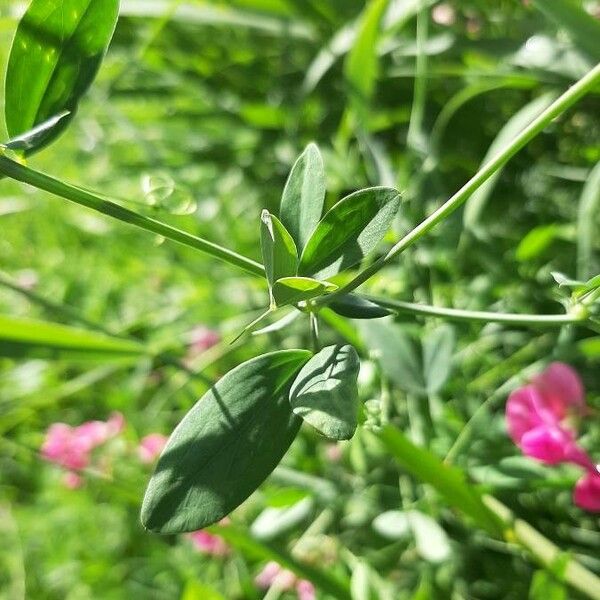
x=303 y=195
x=325 y=393
x=355 y=307
x=290 y=290
x=54 y=58
x=278 y=249
x=225 y=446
x=349 y=231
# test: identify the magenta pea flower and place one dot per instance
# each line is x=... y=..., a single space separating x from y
x=587 y=491
x=537 y=420
x=151 y=446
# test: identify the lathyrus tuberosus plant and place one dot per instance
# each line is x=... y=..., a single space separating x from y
x=238 y=432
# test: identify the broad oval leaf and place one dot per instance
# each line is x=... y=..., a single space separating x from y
x=304 y=195
x=355 y=307
x=226 y=445
x=57 y=50
x=290 y=290
x=325 y=393
x=349 y=231
x=279 y=253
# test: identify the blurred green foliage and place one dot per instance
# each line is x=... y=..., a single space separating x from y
x=197 y=114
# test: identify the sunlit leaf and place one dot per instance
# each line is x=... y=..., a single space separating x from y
x=32 y=338
x=55 y=55
x=325 y=392
x=290 y=290
x=225 y=446
x=349 y=231
x=303 y=195
x=278 y=249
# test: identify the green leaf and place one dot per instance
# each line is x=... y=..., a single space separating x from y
x=304 y=195
x=397 y=354
x=279 y=253
x=587 y=211
x=226 y=445
x=327 y=579
x=536 y=241
x=34 y=138
x=290 y=290
x=349 y=231
x=355 y=307
x=57 y=50
x=582 y=28
x=448 y=481
x=476 y=203
x=32 y=338
x=361 y=66
x=438 y=349
x=325 y=392
x=275 y=521
x=431 y=540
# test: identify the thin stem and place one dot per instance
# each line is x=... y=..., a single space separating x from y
x=98 y=203
x=456 y=314
x=559 y=106
x=543 y=550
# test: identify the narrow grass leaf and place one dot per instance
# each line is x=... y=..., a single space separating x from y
x=583 y=29
x=587 y=215
x=33 y=338
x=362 y=67
x=476 y=203
x=448 y=481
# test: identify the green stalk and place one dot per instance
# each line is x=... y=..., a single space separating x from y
x=543 y=550
x=455 y=314
x=558 y=107
x=75 y=194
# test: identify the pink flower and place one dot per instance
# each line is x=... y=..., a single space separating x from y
x=333 y=453
x=552 y=444
x=306 y=590
x=151 y=446
x=443 y=14
x=536 y=417
x=63 y=447
x=273 y=574
x=203 y=338
x=587 y=491
x=208 y=543
x=71 y=447
x=562 y=389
